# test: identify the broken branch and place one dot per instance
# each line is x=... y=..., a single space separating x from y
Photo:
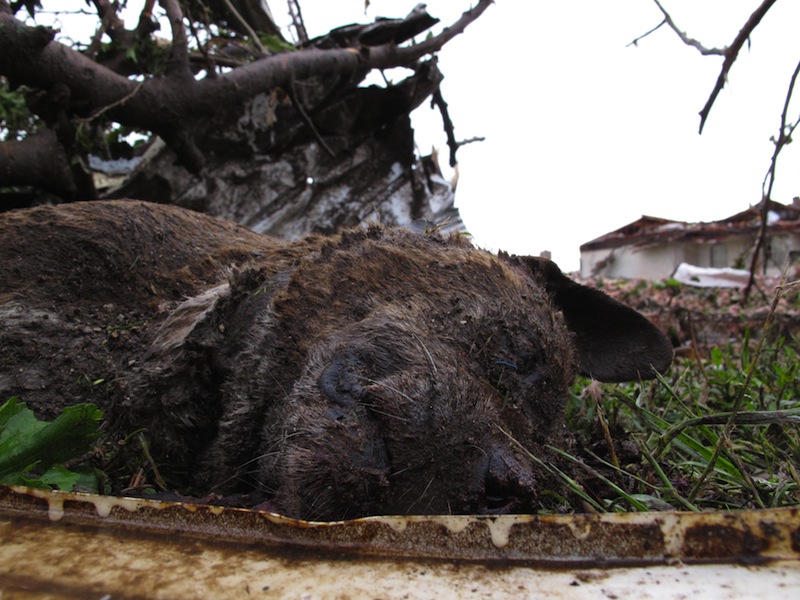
x=731 y=54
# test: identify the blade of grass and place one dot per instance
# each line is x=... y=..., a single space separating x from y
x=673 y=493
x=685 y=442
x=635 y=503
x=573 y=485
x=725 y=435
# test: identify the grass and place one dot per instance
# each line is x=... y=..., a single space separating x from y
x=719 y=431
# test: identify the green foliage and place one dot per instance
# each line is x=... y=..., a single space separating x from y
x=719 y=433
x=16 y=121
x=275 y=44
x=32 y=452
x=667 y=284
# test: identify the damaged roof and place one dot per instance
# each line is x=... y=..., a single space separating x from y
x=647 y=231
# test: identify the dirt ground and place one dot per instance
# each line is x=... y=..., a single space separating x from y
x=708 y=317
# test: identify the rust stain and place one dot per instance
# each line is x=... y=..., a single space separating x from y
x=592 y=539
x=64 y=545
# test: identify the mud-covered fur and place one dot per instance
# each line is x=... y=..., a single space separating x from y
x=378 y=371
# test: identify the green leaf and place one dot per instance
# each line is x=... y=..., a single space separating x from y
x=276 y=44
x=27 y=443
x=57 y=475
x=716 y=356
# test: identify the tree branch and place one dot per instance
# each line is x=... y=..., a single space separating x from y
x=438 y=100
x=389 y=55
x=173 y=106
x=635 y=41
x=685 y=38
x=783 y=138
x=297 y=22
x=178 y=64
x=260 y=51
x=40 y=158
x=731 y=54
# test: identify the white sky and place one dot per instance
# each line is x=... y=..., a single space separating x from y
x=583 y=134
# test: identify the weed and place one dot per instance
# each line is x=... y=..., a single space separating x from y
x=719 y=432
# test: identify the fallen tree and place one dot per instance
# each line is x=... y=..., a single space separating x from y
x=237 y=121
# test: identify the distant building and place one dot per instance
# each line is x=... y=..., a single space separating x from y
x=652 y=248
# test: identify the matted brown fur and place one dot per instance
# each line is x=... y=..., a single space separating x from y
x=378 y=371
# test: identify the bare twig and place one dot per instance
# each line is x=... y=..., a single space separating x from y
x=390 y=55
x=297 y=22
x=104 y=109
x=205 y=58
x=731 y=54
x=635 y=41
x=298 y=104
x=253 y=35
x=438 y=100
x=783 y=138
x=686 y=39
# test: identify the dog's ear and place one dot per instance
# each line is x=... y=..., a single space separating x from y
x=613 y=341
x=186 y=317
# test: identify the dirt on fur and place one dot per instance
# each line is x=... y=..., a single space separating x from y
x=377 y=371
x=99 y=280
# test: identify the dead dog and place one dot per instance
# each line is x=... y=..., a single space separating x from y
x=377 y=371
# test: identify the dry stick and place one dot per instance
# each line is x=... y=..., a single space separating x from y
x=685 y=38
x=103 y=109
x=297 y=21
x=731 y=54
x=253 y=36
x=105 y=18
x=696 y=352
x=737 y=405
x=438 y=100
x=601 y=415
x=206 y=60
x=389 y=55
x=635 y=41
x=784 y=138
x=307 y=119
x=756 y=417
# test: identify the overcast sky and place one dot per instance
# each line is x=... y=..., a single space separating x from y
x=584 y=134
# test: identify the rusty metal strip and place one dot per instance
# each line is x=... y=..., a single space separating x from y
x=563 y=540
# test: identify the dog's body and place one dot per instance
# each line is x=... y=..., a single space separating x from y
x=375 y=371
